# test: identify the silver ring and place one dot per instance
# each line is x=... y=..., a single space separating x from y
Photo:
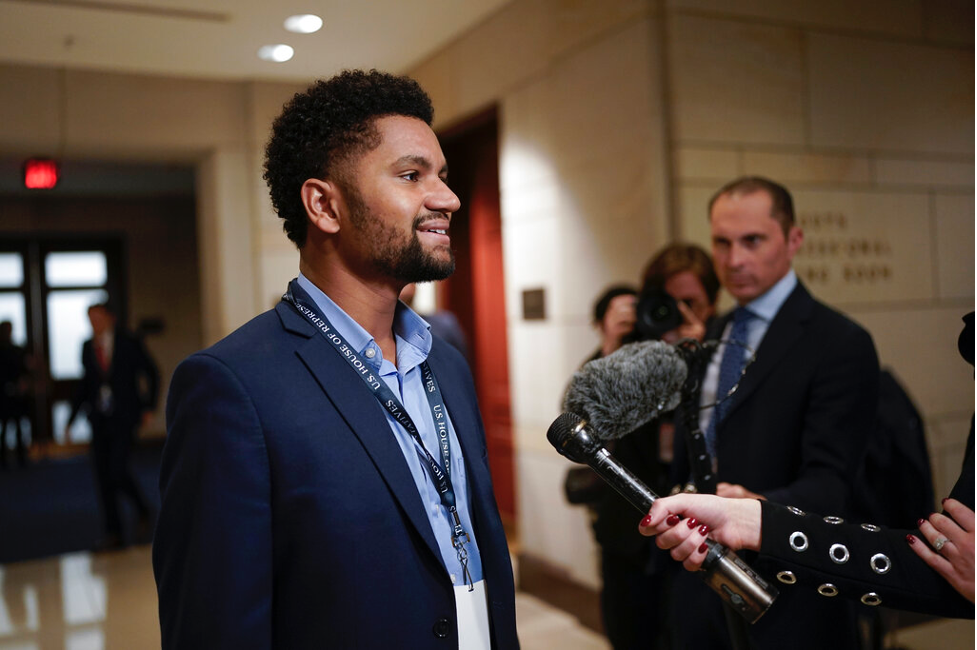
x=940 y=543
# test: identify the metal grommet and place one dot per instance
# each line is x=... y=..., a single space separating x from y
x=798 y=541
x=872 y=528
x=796 y=511
x=828 y=590
x=834 y=520
x=838 y=553
x=880 y=563
x=872 y=599
x=787 y=577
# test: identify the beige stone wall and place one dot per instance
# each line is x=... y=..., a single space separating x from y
x=866 y=112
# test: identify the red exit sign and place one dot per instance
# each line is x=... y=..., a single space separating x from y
x=40 y=174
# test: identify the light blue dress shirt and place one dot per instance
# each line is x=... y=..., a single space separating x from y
x=414 y=341
x=764 y=309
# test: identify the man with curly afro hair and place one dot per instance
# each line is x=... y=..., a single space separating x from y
x=325 y=481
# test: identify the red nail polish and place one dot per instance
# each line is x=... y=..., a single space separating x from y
x=945 y=499
x=919 y=522
x=671 y=520
x=646 y=521
x=703 y=529
x=703 y=547
x=691 y=522
x=910 y=539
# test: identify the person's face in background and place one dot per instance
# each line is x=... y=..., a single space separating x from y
x=101 y=319
x=750 y=249
x=618 y=321
x=687 y=290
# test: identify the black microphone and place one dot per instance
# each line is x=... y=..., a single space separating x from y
x=620 y=395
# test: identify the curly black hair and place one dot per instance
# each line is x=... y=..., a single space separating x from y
x=319 y=129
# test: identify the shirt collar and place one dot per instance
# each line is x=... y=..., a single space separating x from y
x=767 y=305
x=408 y=327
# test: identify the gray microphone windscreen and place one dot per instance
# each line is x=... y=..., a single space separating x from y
x=618 y=393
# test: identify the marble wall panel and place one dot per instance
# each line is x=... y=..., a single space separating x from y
x=118 y=111
x=736 y=82
x=893 y=18
x=865 y=247
x=929 y=173
x=603 y=100
x=717 y=165
x=29 y=120
x=920 y=345
x=895 y=96
x=692 y=205
x=955 y=245
x=947 y=438
x=788 y=168
x=561 y=534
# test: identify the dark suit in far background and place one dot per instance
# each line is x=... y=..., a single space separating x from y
x=115 y=398
x=794 y=433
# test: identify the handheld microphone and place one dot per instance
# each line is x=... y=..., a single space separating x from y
x=723 y=571
x=621 y=396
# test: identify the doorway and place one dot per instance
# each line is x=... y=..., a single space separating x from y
x=46 y=287
x=476 y=292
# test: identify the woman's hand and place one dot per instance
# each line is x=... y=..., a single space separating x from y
x=682 y=523
x=954 y=541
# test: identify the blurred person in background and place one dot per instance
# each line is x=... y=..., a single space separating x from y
x=118 y=393
x=635 y=592
x=15 y=402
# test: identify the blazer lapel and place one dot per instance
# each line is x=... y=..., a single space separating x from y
x=364 y=415
x=786 y=327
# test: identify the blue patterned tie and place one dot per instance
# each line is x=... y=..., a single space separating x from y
x=730 y=370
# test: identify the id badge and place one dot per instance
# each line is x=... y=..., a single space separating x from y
x=105 y=401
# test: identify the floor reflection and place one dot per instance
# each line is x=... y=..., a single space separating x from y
x=83 y=601
x=80 y=601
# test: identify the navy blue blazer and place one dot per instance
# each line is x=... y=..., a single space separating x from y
x=289 y=517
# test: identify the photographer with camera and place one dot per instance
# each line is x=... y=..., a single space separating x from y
x=678 y=300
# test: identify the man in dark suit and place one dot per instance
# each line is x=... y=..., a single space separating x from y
x=118 y=392
x=794 y=428
x=325 y=481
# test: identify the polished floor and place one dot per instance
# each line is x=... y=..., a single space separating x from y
x=82 y=601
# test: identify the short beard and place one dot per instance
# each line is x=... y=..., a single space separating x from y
x=404 y=261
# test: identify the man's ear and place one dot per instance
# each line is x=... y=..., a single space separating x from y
x=322 y=201
x=794 y=240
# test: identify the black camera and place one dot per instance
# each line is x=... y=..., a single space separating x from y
x=656 y=313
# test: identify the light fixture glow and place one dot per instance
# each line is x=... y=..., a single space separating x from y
x=275 y=53
x=303 y=23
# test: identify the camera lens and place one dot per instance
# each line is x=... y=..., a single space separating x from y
x=657 y=313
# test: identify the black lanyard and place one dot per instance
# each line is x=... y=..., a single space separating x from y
x=440 y=477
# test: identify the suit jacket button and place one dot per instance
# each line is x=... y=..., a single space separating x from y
x=441 y=628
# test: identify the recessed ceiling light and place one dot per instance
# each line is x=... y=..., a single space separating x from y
x=275 y=53
x=303 y=23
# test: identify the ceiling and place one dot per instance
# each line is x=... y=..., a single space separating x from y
x=220 y=38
